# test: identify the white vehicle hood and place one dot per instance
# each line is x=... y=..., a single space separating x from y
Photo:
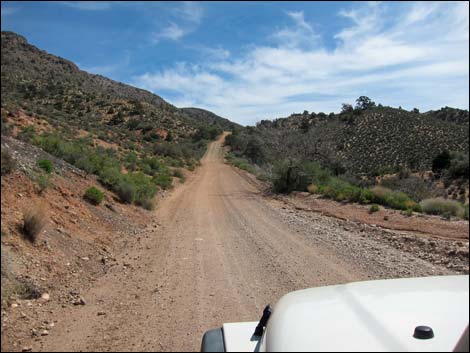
x=371 y=316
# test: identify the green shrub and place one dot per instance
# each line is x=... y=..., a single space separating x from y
x=459 y=166
x=394 y=199
x=465 y=214
x=44 y=182
x=366 y=196
x=292 y=175
x=374 y=208
x=207 y=133
x=148 y=204
x=46 y=165
x=125 y=191
x=94 y=195
x=151 y=165
x=7 y=162
x=408 y=212
x=441 y=206
x=110 y=177
x=178 y=173
x=165 y=181
x=441 y=161
x=34 y=221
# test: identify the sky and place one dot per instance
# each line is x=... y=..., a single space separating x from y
x=248 y=61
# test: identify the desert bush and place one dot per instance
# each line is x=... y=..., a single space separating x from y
x=46 y=165
x=178 y=173
x=413 y=186
x=148 y=204
x=207 y=133
x=240 y=163
x=164 y=180
x=125 y=191
x=131 y=160
x=288 y=177
x=152 y=166
x=7 y=162
x=441 y=161
x=408 y=212
x=34 y=221
x=340 y=190
x=459 y=166
x=394 y=199
x=44 y=182
x=254 y=151
x=366 y=196
x=441 y=206
x=168 y=150
x=132 y=124
x=94 y=195
x=374 y=208
x=312 y=188
x=110 y=176
x=465 y=214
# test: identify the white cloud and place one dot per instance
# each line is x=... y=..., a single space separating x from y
x=172 y=32
x=189 y=15
x=409 y=55
x=88 y=5
x=190 y=11
x=300 y=34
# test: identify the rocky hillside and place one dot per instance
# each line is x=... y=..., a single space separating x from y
x=205 y=117
x=132 y=140
x=374 y=140
x=57 y=90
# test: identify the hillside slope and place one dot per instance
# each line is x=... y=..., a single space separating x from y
x=376 y=139
x=56 y=89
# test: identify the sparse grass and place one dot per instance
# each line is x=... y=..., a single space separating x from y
x=44 y=182
x=34 y=221
x=20 y=288
x=94 y=195
x=443 y=207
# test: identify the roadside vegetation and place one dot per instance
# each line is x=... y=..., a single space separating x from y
x=134 y=177
x=284 y=153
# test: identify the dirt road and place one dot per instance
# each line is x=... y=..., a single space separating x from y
x=219 y=251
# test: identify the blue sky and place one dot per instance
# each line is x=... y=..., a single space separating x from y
x=249 y=61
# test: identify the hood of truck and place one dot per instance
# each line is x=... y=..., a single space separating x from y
x=371 y=316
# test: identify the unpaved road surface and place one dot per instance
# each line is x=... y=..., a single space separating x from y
x=218 y=251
